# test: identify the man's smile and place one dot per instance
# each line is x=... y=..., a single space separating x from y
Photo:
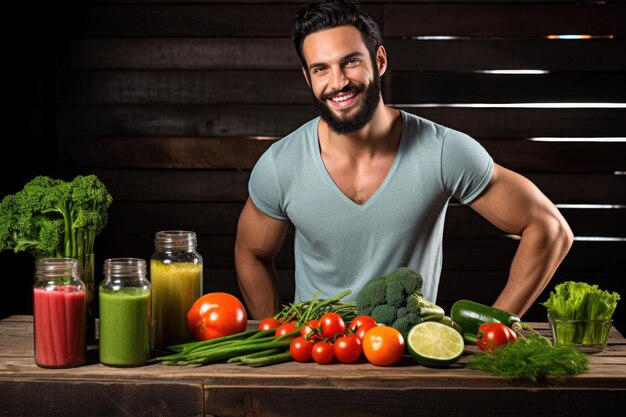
x=344 y=100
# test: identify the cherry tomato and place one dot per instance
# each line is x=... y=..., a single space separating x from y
x=347 y=349
x=286 y=328
x=360 y=321
x=362 y=330
x=383 y=345
x=268 y=324
x=332 y=324
x=493 y=335
x=322 y=352
x=310 y=330
x=216 y=314
x=301 y=349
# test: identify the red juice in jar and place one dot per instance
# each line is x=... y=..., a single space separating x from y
x=59 y=316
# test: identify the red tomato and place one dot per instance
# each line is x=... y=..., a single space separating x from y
x=332 y=324
x=301 y=349
x=286 y=328
x=322 y=352
x=493 y=335
x=383 y=345
x=360 y=321
x=269 y=324
x=310 y=329
x=216 y=314
x=347 y=349
x=362 y=330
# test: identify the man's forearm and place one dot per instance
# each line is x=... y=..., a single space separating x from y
x=541 y=250
x=259 y=286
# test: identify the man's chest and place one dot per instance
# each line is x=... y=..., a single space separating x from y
x=358 y=182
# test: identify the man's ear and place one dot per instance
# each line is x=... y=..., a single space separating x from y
x=306 y=76
x=381 y=59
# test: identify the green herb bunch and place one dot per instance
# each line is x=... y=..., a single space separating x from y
x=52 y=218
x=533 y=358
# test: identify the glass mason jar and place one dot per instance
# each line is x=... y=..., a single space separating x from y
x=124 y=298
x=176 y=277
x=59 y=313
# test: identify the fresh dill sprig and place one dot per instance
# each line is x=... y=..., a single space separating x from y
x=533 y=358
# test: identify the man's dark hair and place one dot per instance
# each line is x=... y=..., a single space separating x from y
x=321 y=15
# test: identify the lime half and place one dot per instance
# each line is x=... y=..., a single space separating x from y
x=434 y=344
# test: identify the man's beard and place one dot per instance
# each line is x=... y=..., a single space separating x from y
x=371 y=98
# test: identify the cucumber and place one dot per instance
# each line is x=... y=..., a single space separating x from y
x=470 y=315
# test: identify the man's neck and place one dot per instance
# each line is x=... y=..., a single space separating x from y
x=378 y=135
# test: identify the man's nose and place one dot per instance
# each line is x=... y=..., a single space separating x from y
x=339 y=79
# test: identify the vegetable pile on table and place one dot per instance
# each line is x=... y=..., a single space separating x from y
x=255 y=347
x=329 y=338
x=507 y=350
x=388 y=309
x=536 y=357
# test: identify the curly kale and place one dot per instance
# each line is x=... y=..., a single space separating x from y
x=54 y=218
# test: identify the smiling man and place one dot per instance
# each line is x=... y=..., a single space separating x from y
x=367 y=186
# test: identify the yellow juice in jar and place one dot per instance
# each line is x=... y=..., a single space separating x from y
x=175 y=287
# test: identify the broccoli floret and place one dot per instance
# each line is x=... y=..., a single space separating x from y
x=401 y=283
x=395 y=299
x=384 y=313
x=375 y=295
x=54 y=218
x=404 y=324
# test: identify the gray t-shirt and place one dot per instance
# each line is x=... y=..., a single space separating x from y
x=340 y=244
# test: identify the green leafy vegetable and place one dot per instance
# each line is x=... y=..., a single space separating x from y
x=395 y=299
x=533 y=358
x=587 y=305
x=54 y=218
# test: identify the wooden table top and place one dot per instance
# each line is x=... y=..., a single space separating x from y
x=294 y=388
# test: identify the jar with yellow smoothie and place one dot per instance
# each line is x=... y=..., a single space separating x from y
x=176 y=279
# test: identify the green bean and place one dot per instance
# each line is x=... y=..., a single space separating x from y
x=192 y=345
x=254 y=355
x=268 y=359
x=227 y=353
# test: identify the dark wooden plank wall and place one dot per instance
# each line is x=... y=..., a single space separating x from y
x=170 y=103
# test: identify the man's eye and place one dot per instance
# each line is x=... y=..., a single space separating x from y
x=353 y=61
x=319 y=70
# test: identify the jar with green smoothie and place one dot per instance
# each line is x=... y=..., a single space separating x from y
x=176 y=278
x=124 y=298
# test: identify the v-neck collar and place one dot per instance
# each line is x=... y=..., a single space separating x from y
x=329 y=179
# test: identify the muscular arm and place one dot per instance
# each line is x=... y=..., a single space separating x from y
x=259 y=239
x=515 y=205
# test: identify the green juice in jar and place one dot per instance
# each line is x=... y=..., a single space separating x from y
x=124 y=297
x=175 y=287
x=125 y=326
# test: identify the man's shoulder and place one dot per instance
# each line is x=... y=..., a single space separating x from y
x=296 y=140
x=287 y=153
x=422 y=130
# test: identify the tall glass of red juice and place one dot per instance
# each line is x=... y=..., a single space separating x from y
x=59 y=310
